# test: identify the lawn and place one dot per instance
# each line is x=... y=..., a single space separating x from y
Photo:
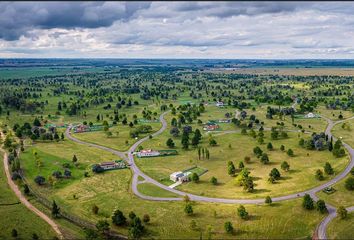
x=341 y=228
x=341 y=197
x=150 y=189
x=18 y=216
x=345 y=131
x=301 y=176
x=120 y=139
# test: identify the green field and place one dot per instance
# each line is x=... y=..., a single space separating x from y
x=341 y=228
x=18 y=216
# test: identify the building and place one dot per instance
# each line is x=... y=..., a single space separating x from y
x=112 y=165
x=148 y=153
x=310 y=115
x=219 y=104
x=210 y=127
x=180 y=176
x=224 y=120
x=81 y=128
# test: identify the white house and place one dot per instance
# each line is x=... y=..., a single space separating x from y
x=310 y=115
x=148 y=153
x=180 y=176
x=219 y=104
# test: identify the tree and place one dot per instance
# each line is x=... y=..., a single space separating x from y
x=90 y=234
x=264 y=158
x=285 y=166
x=274 y=173
x=231 y=168
x=185 y=140
x=257 y=151
x=35 y=236
x=308 y=202
x=282 y=147
x=36 y=122
x=214 y=180
x=228 y=227
x=136 y=228
x=342 y=212
x=349 y=184
x=241 y=212
x=328 y=169
x=195 y=177
x=118 y=218
x=26 y=189
x=188 y=209
x=321 y=206
x=14 y=233
x=132 y=215
x=319 y=175
x=268 y=200
x=270 y=146
x=212 y=142
x=39 y=180
x=170 y=143
x=55 y=210
x=95 y=209
x=146 y=218
x=62 y=136
x=102 y=226
x=290 y=152
x=241 y=165
x=74 y=159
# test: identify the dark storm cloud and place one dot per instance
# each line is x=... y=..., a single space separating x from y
x=17 y=18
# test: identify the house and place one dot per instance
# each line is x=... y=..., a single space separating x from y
x=148 y=153
x=210 y=127
x=180 y=176
x=310 y=115
x=224 y=121
x=219 y=104
x=81 y=128
x=108 y=165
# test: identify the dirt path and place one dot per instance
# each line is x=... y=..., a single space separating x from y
x=25 y=202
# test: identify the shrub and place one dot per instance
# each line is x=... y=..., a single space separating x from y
x=349 y=184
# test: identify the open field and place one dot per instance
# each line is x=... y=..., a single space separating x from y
x=341 y=228
x=292 y=71
x=345 y=131
x=302 y=166
x=341 y=197
x=18 y=216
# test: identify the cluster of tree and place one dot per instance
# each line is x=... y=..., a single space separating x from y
x=309 y=204
x=142 y=129
x=136 y=228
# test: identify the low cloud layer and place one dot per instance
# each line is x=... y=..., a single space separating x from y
x=177 y=29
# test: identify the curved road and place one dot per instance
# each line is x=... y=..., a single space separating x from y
x=321 y=231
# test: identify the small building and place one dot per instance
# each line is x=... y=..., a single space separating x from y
x=224 y=121
x=148 y=153
x=219 y=104
x=180 y=176
x=81 y=128
x=310 y=115
x=108 y=165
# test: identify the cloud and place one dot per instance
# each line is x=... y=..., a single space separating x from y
x=177 y=29
x=17 y=18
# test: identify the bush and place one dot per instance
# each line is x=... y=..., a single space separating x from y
x=308 y=202
x=39 y=180
x=342 y=212
x=268 y=200
x=118 y=218
x=228 y=227
x=214 y=180
x=349 y=184
x=188 y=209
x=146 y=218
x=321 y=206
x=241 y=212
x=195 y=177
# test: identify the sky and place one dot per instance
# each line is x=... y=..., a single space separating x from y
x=228 y=30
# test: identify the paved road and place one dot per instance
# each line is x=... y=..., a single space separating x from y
x=137 y=172
x=25 y=202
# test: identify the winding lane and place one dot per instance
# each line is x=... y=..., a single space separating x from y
x=137 y=172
